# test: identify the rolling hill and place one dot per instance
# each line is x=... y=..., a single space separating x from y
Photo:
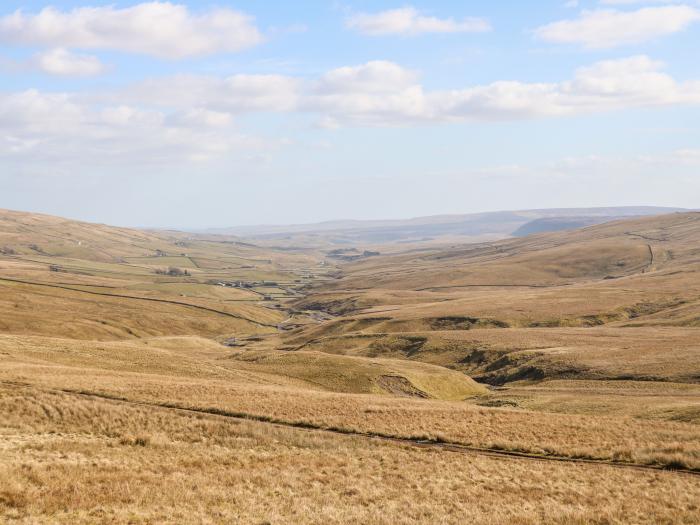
x=619 y=300
x=151 y=370
x=437 y=229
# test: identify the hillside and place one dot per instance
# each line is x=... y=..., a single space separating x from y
x=437 y=229
x=619 y=300
x=616 y=249
x=69 y=280
x=219 y=370
x=65 y=278
x=554 y=224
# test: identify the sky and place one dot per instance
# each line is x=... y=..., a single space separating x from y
x=213 y=114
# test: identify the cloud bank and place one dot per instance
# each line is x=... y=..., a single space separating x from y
x=160 y=29
x=384 y=93
x=193 y=117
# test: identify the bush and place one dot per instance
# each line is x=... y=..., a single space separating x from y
x=173 y=271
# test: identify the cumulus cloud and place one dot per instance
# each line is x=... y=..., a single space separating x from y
x=374 y=93
x=194 y=117
x=636 y=80
x=606 y=28
x=376 y=76
x=604 y=86
x=38 y=126
x=62 y=62
x=234 y=94
x=384 y=93
x=160 y=29
x=409 y=21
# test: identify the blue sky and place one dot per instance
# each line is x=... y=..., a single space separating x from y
x=212 y=114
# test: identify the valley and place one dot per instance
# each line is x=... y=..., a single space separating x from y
x=553 y=377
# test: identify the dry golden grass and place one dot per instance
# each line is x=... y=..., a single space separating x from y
x=615 y=249
x=67 y=460
x=651 y=400
x=629 y=272
x=85 y=281
x=361 y=375
x=199 y=378
x=33 y=235
x=501 y=355
x=203 y=359
x=40 y=310
x=92 y=373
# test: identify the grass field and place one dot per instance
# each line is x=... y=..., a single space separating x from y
x=547 y=379
x=89 y=460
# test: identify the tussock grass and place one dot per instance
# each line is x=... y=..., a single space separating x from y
x=91 y=316
x=81 y=461
x=265 y=395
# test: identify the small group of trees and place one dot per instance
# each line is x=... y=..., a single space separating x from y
x=173 y=271
x=6 y=250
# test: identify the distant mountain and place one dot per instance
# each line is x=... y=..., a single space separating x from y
x=467 y=227
x=555 y=224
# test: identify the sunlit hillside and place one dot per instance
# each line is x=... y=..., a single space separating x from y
x=566 y=355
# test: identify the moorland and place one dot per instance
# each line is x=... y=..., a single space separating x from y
x=173 y=377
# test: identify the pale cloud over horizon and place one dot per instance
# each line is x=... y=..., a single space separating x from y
x=193 y=116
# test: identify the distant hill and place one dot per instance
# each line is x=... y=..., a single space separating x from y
x=613 y=249
x=66 y=278
x=451 y=228
x=553 y=305
x=555 y=224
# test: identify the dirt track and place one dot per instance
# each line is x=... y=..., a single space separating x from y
x=377 y=436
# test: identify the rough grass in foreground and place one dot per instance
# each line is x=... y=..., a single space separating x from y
x=81 y=461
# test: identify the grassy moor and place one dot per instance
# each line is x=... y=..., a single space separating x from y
x=160 y=376
x=349 y=262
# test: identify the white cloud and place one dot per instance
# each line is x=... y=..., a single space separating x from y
x=198 y=117
x=607 y=85
x=606 y=28
x=409 y=21
x=634 y=81
x=384 y=93
x=62 y=62
x=376 y=76
x=41 y=127
x=234 y=94
x=374 y=93
x=160 y=29
x=185 y=118
x=604 y=86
